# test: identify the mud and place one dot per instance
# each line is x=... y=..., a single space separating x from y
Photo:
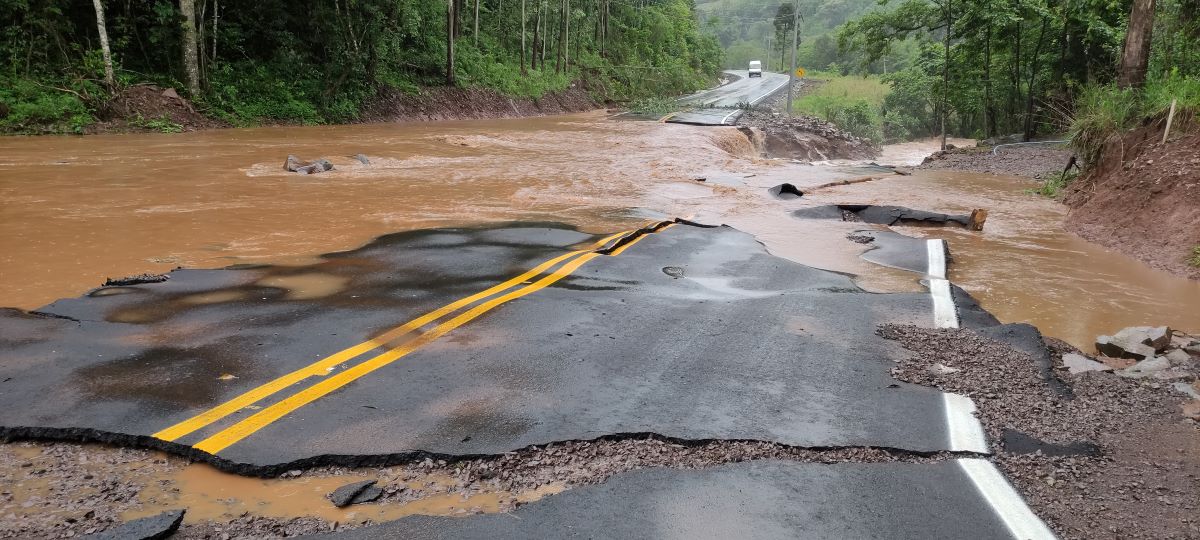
x=61 y=489
x=441 y=103
x=1034 y=161
x=804 y=138
x=1141 y=485
x=132 y=110
x=1146 y=204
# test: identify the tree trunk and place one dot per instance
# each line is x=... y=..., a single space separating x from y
x=523 y=72
x=567 y=35
x=537 y=31
x=1033 y=69
x=476 y=22
x=946 y=69
x=191 y=60
x=562 y=36
x=214 y=38
x=989 y=109
x=450 y=18
x=1136 y=57
x=104 y=50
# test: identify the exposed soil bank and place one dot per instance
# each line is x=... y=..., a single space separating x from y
x=1143 y=198
x=148 y=108
x=1033 y=161
x=445 y=103
x=803 y=138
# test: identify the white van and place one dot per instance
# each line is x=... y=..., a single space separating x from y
x=756 y=68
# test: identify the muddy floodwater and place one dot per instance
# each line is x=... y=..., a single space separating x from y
x=76 y=210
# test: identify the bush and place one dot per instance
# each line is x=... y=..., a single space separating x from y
x=34 y=108
x=1102 y=112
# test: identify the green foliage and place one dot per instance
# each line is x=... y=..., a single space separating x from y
x=853 y=103
x=1195 y=258
x=315 y=61
x=1102 y=112
x=162 y=125
x=654 y=106
x=1052 y=186
x=33 y=107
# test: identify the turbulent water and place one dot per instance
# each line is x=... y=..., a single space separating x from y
x=79 y=210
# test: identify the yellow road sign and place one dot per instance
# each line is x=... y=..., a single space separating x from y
x=800 y=72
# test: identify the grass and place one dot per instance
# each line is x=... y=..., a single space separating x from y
x=1105 y=111
x=1052 y=186
x=1195 y=259
x=162 y=125
x=854 y=103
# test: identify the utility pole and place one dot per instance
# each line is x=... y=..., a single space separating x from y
x=795 y=37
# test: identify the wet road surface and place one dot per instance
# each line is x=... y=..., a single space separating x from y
x=756 y=500
x=722 y=106
x=684 y=331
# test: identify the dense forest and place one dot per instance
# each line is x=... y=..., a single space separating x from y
x=983 y=67
x=313 y=61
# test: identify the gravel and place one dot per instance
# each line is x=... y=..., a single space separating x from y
x=1039 y=161
x=1146 y=483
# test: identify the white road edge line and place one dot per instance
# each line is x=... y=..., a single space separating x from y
x=966 y=433
x=735 y=111
x=1008 y=505
x=944 y=313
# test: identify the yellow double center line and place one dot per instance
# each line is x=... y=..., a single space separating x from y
x=240 y=430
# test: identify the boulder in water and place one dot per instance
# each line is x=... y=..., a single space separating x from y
x=293 y=164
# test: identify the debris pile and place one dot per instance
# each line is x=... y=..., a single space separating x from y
x=1155 y=352
x=805 y=138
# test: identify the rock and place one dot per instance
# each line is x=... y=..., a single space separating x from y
x=1145 y=368
x=362 y=159
x=149 y=528
x=171 y=93
x=136 y=280
x=1154 y=336
x=1186 y=389
x=355 y=493
x=1016 y=442
x=1123 y=347
x=1191 y=410
x=941 y=369
x=1179 y=358
x=673 y=271
x=1076 y=363
x=293 y=164
x=786 y=191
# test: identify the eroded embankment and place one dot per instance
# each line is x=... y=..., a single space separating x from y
x=1143 y=198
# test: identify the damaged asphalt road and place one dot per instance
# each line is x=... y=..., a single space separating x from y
x=740 y=346
x=520 y=336
x=760 y=499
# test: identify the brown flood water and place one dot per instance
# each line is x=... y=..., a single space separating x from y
x=78 y=210
x=1024 y=268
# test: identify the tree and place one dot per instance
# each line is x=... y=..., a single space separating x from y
x=104 y=50
x=450 y=24
x=1135 y=59
x=523 y=19
x=191 y=56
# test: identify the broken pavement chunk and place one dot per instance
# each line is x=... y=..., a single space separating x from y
x=1123 y=347
x=358 y=492
x=1076 y=363
x=1146 y=367
x=148 y=528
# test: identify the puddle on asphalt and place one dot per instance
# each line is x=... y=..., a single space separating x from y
x=306 y=286
x=211 y=495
